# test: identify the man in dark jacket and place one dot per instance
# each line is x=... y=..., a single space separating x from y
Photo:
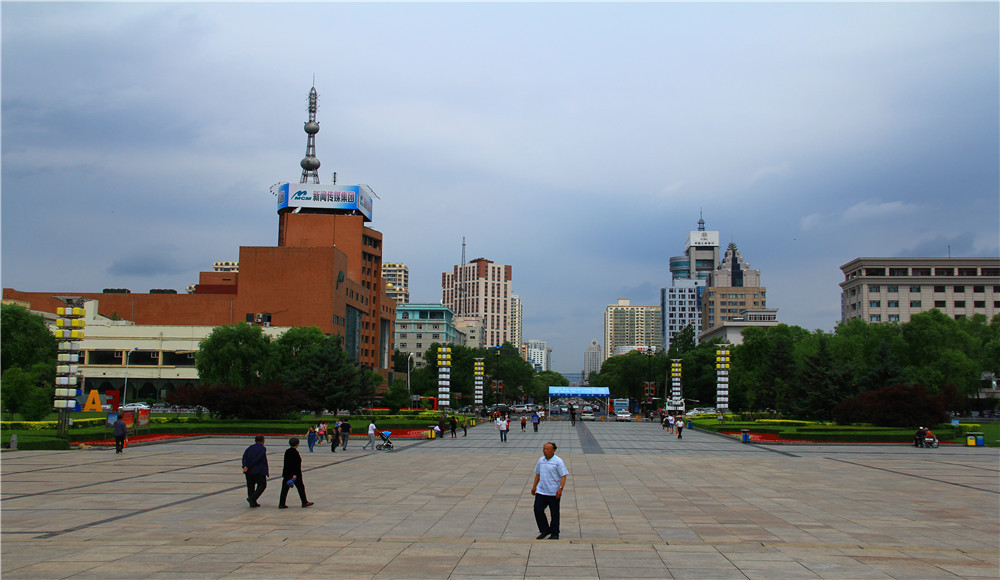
x=120 y=432
x=255 y=470
x=292 y=471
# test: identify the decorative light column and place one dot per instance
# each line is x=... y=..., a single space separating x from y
x=444 y=377
x=478 y=370
x=676 y=398
x=722 y=362
x=69 y=331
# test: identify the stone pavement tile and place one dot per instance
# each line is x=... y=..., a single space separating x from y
x=701 y=560
x=294 y=554
x=709 y=574
x=269 y=570
x=424 y=570
x=576 y=572
x=125 y=569
x=971 y=570
x=625 y=571
x=783 y=570
x=51 y=570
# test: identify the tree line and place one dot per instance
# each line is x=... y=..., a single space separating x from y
x=829 y=375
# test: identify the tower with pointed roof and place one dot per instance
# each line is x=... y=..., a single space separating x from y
x=733 y=288
x=680 y=303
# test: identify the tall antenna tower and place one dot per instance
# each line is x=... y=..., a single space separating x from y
x=310 y=164
x=461 y=283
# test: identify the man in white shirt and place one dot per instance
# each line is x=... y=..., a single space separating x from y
x=550 y=479
x=371 y=436
x=502 y=425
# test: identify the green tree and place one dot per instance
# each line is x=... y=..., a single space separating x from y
x=26 y=392
x=25 y=339
x=329 y=377
x=235 y=354
x=286 y=349
x=397 y=397
x=682 y=342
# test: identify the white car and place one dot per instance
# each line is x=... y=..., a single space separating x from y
x=132 y=406
x=587 y=416
x=623 y=415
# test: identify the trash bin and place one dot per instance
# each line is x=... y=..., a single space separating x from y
x=690 y=424
x=975 y=439
x=745 y=435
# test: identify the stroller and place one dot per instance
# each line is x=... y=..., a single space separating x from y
x=386 y=443
x=930 y=441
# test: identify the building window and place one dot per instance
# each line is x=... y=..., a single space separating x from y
x=875 y=318
x=959 y=288
x=874 y=288
x=939 y=304
x=893 y=288
x=960 y=304
x=979 y=289
x=944 y=271
x=894 y=304
x=874 y=304
x=921 y=271
x=939 y=288
x=893 y=318
x=914 y=288
x=979 y=304
x=914 y=304
x=899 y=271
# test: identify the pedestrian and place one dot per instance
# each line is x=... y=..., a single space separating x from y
x=572 y=415
x=454 y=426
x=550 y=479
x=918 y=438
x=335 y=436
x=502 y=426
x=679 y=425
x=465 y=427
x=255 y=470
x=345 y=434
x=524 y=423
x=534 y=421
x=291 y=474
x=321 y=432
x=121 y=431
x=441 y=425
x=311 y=438
x=371 y=435
x=670 y=424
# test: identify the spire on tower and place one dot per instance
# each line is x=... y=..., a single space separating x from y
x=310 y=164
x=701 y=221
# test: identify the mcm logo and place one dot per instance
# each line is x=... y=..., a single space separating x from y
x=301 y=195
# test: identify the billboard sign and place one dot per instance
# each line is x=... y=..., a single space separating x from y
x=320 y=196
x=703 y=238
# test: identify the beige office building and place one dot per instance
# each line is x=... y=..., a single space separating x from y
x=733 y=287
x=894 y=289
x=481 y=289
x=627 y=327
x=397 y=282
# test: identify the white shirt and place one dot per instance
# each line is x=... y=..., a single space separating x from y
x=371 y=428
x=550 y=473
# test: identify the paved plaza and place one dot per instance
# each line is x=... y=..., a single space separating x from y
x=639 y=504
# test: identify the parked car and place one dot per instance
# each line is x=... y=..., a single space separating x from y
x=520 y=408
x=587 y=416
x=132 y=406
x=623 y=415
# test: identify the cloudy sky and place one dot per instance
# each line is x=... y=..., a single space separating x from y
x=577 y=142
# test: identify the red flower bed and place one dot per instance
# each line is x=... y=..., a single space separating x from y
x=399 y=433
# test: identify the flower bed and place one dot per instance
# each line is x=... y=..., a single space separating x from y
x=149 y=438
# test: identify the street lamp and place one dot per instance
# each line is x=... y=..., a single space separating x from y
x=408 y=357
x=125 y=388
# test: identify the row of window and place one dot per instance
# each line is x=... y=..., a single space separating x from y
x=404 y=336
x=937 y=304
x=964 y=271
x=938 y=289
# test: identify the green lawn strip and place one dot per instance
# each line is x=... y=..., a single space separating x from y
x=795 y=430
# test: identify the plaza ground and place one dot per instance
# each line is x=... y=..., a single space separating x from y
x=639 y=504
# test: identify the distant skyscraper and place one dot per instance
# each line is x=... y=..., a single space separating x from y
x=627 y=326
x=397 y=282
x=538 y=354
x=680 y=303
x=481 y=289
x=516 y=319
x=732 y=288
x=593 y=357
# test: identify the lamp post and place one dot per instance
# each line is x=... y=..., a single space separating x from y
x=408 y=358
x=125 y=387
x=499 y=388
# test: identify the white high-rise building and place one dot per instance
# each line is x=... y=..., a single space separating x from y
x=593 y=358
x=680 y=303
x=537 y=353
x=481 y=289
x=627 y=327
x=516 y=319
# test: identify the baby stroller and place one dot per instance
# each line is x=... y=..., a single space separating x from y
x=386 y=443
x=930 y=441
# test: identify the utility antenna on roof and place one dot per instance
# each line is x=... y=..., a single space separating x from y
x=463 y=250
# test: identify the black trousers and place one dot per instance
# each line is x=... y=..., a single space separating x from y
x=546 y=526
x=298 y=485
x=256 y=484
x=119 y=444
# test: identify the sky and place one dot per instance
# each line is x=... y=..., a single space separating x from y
x=579 y=143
